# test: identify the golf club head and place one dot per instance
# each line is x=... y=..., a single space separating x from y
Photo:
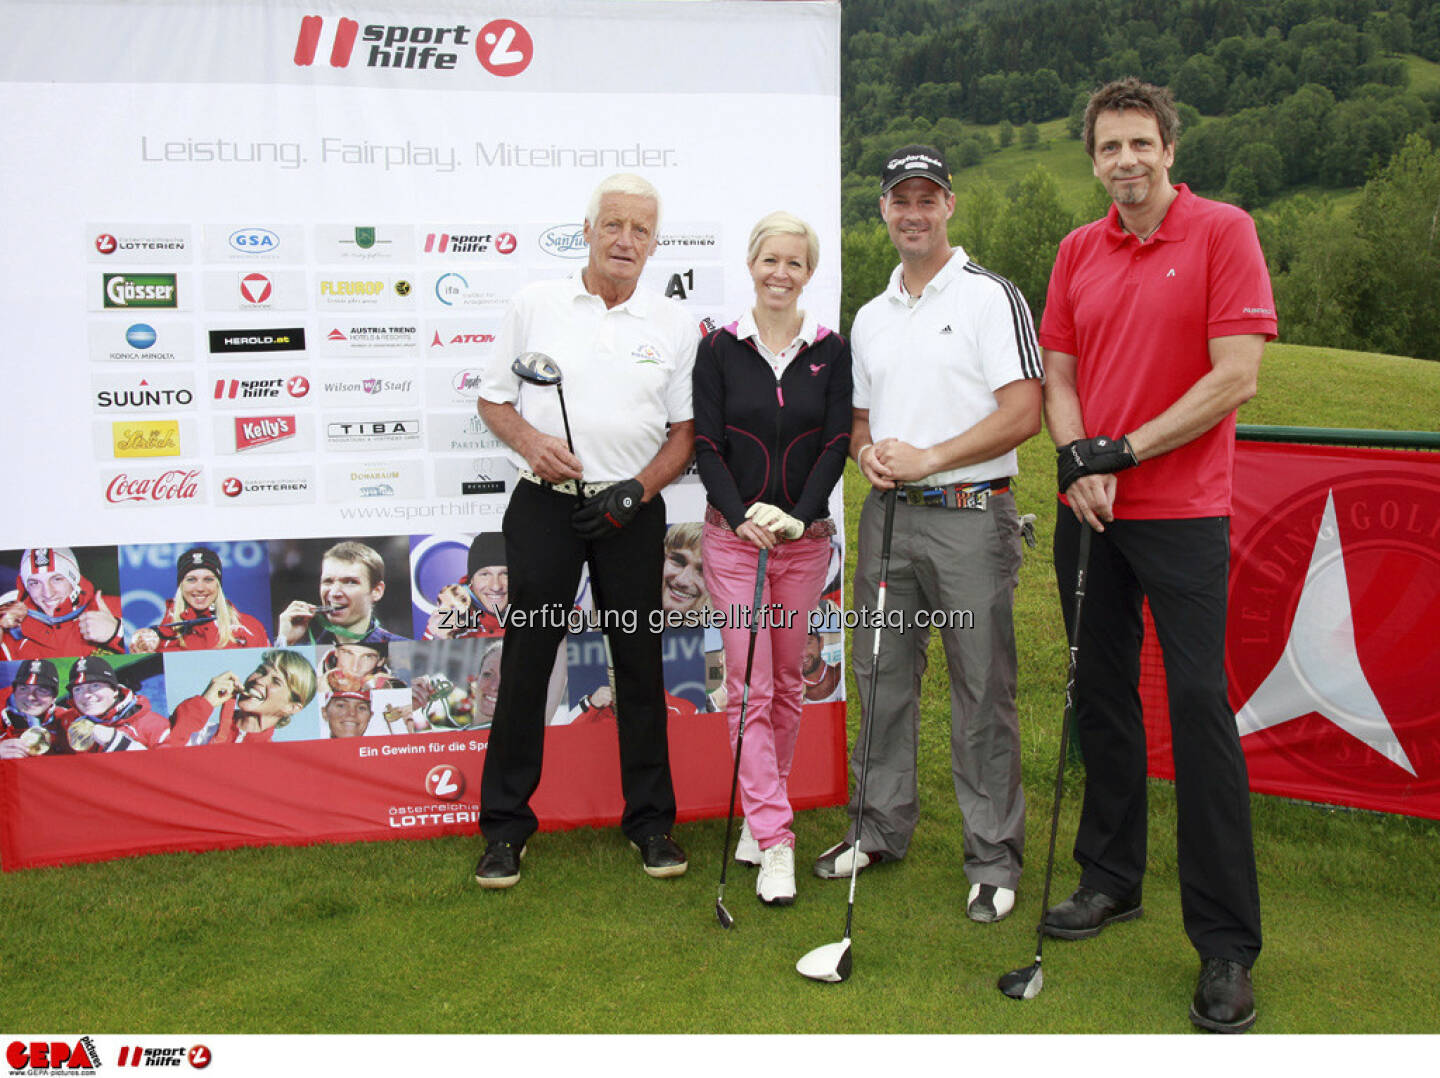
x=723 y=915
x=830 y=963
x=536 y=368
x=1022 y=983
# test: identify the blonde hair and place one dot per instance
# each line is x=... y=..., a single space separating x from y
x=299 y=675
x=227 y=618
x=781 y=223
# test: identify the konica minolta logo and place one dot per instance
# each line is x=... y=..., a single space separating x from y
x=502 y=47
x=564 y=241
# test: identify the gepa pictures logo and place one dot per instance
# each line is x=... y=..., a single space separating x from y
x=503 y=47
x=58 y=1057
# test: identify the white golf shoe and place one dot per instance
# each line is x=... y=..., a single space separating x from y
x=775 y=885
x=988 y=903
x=747 y=850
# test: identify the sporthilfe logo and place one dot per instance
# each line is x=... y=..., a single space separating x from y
x=502 y=46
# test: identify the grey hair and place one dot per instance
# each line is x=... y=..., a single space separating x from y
x=622 y=183
x=781 y=223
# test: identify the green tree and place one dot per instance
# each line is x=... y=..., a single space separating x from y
x=1029 y=234
x=1006 y=134
x=976 y=223
x=1398 y=219
x=1201 y=82
x=1029 y=136
x=1241 y=186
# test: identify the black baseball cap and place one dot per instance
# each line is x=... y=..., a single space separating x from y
x=91 y=669
x=38 y=672
x=908 y=162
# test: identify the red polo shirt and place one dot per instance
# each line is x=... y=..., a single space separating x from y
x=1139 y=318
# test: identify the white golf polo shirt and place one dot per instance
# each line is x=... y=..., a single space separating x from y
x=929 y=372
x=626 y=371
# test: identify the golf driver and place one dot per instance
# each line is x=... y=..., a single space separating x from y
x=721 y=913
x=538 y=369
x=1026 y=983
x=832 y=962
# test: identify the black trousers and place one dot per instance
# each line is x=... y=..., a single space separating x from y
x=544 y=557
x=1182 y=567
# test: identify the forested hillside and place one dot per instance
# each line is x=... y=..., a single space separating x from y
x=1288 y=106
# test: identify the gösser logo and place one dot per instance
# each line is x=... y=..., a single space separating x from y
x=140 y=290
x=176 y=485
x=503 y=47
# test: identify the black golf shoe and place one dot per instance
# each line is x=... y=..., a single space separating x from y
x=499 y=867
x=1086 y=912
x=662 y=857
x=1224 y=1000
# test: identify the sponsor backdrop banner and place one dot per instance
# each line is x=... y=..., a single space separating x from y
x=1331 y=649
x=248 y=304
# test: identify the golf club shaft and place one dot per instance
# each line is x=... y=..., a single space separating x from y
x=868 y=716
x=744 y=705
x=1082 y=570
x=565 y=418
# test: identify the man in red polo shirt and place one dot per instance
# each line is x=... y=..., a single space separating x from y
x=1154 y=324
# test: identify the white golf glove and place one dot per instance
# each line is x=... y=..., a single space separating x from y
x=776 y=519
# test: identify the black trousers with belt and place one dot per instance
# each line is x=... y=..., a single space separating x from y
x=1182 y=567
x=544 y=557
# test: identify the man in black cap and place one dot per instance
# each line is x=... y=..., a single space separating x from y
x=476 y=604
x=28 y=723
x=947 y=384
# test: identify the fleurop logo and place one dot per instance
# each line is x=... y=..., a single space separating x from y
x=503 y=47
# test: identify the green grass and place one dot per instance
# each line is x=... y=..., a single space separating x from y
x=396 y=938
x=1063 y=157
x=1424 y=74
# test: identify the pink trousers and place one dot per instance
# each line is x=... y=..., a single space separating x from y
x=793 y=580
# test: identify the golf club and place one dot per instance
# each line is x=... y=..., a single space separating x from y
x=1026 y=983
x=831 y=962
x=721 y=913
x=538 y=369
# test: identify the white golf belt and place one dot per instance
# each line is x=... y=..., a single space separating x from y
x=567 y=486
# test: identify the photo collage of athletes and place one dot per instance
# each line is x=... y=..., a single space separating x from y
x=176 y=645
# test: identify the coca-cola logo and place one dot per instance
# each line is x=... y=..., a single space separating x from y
x=176 y=485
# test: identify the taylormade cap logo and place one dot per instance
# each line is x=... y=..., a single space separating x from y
x=909 y=162
x=503 y=47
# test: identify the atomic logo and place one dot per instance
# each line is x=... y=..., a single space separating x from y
x=255 y=288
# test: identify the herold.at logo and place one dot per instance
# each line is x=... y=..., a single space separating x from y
x=54 y=1056
x=147 y=438
x=502 y=46
x=253 y=431
x=127 y=290
x=227 y=341
x=175 y=487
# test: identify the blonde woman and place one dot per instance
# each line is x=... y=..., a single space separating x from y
x=772 y=430
x=200 y=617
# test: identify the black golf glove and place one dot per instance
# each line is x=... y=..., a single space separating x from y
x=1092 y=456
x=609 y=511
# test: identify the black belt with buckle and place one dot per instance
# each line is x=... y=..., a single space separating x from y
x=956 y=495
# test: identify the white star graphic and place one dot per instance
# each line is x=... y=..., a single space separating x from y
x=1320 y=670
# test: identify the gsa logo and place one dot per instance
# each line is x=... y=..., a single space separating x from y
x=140 y=335
x=254 y=241
x=564 y=241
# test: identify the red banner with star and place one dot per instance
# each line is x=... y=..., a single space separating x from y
x=1331 y=648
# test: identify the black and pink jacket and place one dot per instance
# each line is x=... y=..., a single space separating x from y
x=759 y=440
